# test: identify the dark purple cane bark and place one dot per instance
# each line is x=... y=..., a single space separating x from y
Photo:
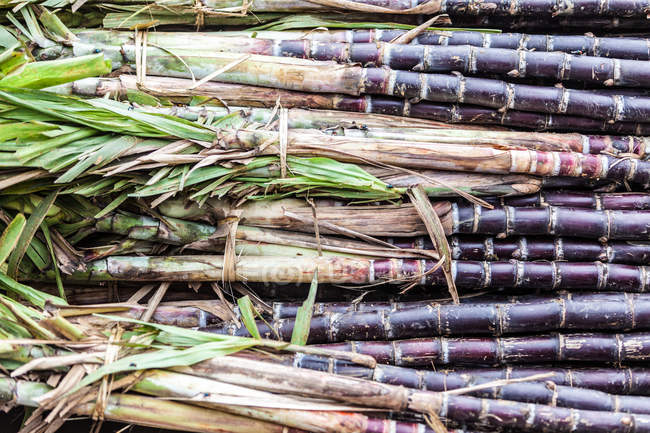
x=609 y=312
x=288 y=310
x=528 y=417
x=610 y=380
x=558 y=24
x=540 y=248
x=615 y=47
x=501 y=95
x=551 y=220
x=579 y=199
x=480 y=115
x=472 y=60
x=594 y=276
x=580 y=8
x=606 y=348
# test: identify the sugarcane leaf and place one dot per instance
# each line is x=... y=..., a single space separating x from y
x=246 y=309
x=33 y=296
x=302 y=324
x=437 y=234
x=7 y=39
x=106 y=115
x=166 y=358
x=38 y=75
x=33 y=223
x=112 y=206
x=57 y=274
x=10 y=236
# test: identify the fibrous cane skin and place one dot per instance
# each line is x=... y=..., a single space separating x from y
x=442 y=112
x=468 y=275
x=609 y=312
x=551 y=220
x=580 y=199
x=579 y=8
x=490 y=351
x=544 y=248
x=610 y=380
x=465 y=59
x=588 y=45
x=288 y=310
x=548 y=8
x=355 y=80
x=551 y=390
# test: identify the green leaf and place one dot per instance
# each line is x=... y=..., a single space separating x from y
x=33 y=296
x=33 y=223
x=247 y=311
x=10 y=236
x=57 y=274
x=302 y=324
x=166 y=358
x=38 y=75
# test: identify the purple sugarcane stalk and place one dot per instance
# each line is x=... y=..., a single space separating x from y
x=532 y=8
x=502 y=95
x=610 y=380
x=611 y=312
x=449 y=113
x=468 y=275
x=541 y=391
x=560 y=24
x=581 y=199
x=352 y=79
x=465 y=59
x=465 y=113
x=491 y=351
x=532 y=248
x=551 y=220
x=621 y=48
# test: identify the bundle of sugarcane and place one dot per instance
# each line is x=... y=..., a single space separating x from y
x=275 y=227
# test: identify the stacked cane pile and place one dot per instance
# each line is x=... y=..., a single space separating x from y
x=326 y=215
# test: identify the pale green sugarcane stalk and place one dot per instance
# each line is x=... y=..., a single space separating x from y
x=367 y=125
x=146 y=411
x=168 y=384
x=254 y=241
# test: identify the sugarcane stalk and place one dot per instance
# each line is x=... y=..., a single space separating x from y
x=387 y=127
x=490 y=351
x=300 y=118
x=474 y=275
x=156 y=412
x=610 y=380
x=560 y=24
x=168 y=88
x=465 y=59
x=581 y=199
x=457 y=218
x=445 y=156
x=287 y=310
x=85 y=295
x=591 y=8
x=184 y=316
x=531 y=249
x=355 y=80
x=615 y=380
x=586 y=45
x=146 y=411
x=608 y=312
x=167 y=384
x=258 y=241
x=548 y=390
x=469 y=411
